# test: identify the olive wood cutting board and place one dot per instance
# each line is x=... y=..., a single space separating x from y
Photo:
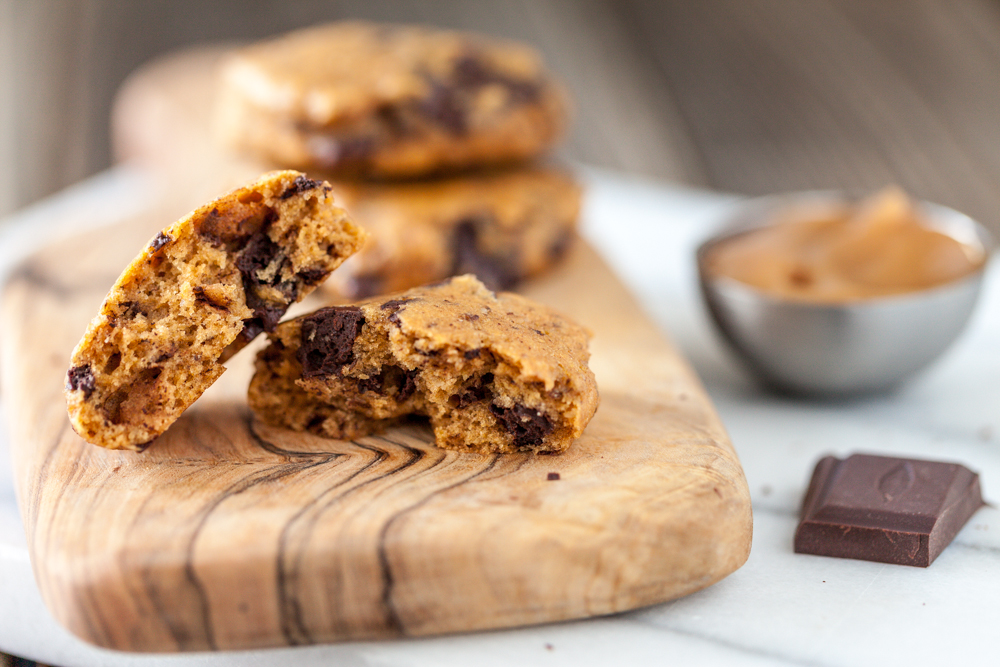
x=230 y=534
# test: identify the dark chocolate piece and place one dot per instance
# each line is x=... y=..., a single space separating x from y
x=528 y=427
x=553 y=477
x=300 y=184
x=81 y=378
x=160 y=241
x=231 y=229
x=885 y=509
x=392 y=380
x=328 y=340
x=496 y=273
x=478 y=391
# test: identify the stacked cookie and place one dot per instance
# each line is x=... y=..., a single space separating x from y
x=430 y=138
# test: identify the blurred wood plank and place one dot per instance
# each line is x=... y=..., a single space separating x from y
x=815 y=94
x=752 y=96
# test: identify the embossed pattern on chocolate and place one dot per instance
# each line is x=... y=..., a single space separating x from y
x=494 y=373
x=200 y=291
x=885 y=509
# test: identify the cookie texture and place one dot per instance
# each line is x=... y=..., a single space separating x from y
x=493 y=372
x=502 y=226
x=388 y=100
x=201 y=290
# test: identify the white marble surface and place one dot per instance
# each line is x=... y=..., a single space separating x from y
x=780 y=608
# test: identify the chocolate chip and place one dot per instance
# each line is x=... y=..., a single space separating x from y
x=392 y=381
x=552 y=477
x=81 y=378
x=312 y=276
x=394 y=306
x=259 y=257
x=443 y=107
x=160 y=241
x=474 y=393
x=472 y=354
x=328 y=339
x=266 y=316
x=130 y=309
x=333 y=152
x=527 y=426
x=470 y=318
x=495 y=272
x=114 y=361
x=472 y=72
x=232 y=227
x=299 y=185
x=259 y=253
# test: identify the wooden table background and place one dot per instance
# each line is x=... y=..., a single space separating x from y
x=749 y=96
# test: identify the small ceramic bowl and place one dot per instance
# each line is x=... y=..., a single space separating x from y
x=842 y=349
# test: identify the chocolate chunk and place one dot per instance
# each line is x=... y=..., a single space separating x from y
x=81 y=378
x=474 y=393
x=392 y=381
x=495 y=272
x=552 y=476
x=528 y=426
x=333 y=152
x=257 y=266
x=394 y=306
x=885 y=509
x=259 y=254
x=266 y=315
x=160 y=241
x=471 y=72
x=444 y=107
x=311 y=276
x=232 y=227
x=300 y=184
x=328 y=339
x=114 y=361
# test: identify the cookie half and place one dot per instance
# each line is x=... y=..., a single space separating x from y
x=201 y=290
x=493 y=372
x=502 y=226
x=388 y=100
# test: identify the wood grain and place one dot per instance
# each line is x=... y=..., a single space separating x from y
x=229 y=534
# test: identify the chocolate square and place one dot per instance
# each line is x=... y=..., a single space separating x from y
x=885 y=509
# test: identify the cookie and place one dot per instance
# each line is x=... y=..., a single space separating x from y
x=201 y=290
x=367 y=99
x=502 y=226
x=493 y=372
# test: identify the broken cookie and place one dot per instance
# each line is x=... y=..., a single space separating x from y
x=201 y=290
x=493 y=372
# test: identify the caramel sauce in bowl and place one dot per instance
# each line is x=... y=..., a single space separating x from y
x=823 y=296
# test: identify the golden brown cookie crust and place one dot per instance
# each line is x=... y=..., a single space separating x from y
x=388 y=100
x=503 y=226
x=494 y=373
x=201 y=289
